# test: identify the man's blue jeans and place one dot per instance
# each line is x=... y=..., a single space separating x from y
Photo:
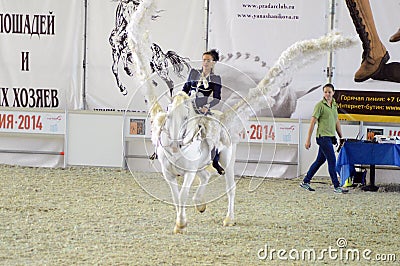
x=325 y=152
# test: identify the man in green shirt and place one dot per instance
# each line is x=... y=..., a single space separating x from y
x=326 y=114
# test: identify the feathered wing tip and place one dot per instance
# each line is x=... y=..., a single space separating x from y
x=304 y=52
x=295 y=57
x=140 y=45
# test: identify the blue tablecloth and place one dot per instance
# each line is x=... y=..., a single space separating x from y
x=365 y=153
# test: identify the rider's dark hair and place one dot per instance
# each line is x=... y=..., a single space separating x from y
x=214 y=53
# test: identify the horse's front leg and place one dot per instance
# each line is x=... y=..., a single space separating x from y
x=174 y=187
x=181 y=222
x=198 y=197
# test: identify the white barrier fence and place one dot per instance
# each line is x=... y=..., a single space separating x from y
x=266 y=148
x=22 y=133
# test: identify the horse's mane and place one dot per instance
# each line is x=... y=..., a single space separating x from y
x=135 y=2
x=156 y=126
x=158 y=116
x=179 y=99
x=178 y=62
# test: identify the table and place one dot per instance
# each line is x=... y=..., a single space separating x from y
x=362 y=152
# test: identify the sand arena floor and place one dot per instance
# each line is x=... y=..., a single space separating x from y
x=100 y=216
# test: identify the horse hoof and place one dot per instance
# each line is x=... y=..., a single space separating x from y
x=124 y=92
x=179 y=229
x=229 y=222
x=201 y=208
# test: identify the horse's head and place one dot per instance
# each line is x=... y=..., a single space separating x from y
x=178 y=122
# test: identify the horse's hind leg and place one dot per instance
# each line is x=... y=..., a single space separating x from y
x=231 y=191
x=228 y=160
x=198 y=197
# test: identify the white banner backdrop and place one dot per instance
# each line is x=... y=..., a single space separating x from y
x=251 y=35
x=41 y=56
x=41 y=53
x=179 y=27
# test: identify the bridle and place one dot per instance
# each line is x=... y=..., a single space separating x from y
x=180 y=142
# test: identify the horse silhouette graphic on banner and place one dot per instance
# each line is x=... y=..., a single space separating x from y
x=161 y=62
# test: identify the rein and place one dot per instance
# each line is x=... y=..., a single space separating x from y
x=181 y=141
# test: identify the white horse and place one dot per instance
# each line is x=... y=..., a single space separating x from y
x=184 y=145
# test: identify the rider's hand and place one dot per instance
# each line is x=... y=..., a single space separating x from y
x=204 y=109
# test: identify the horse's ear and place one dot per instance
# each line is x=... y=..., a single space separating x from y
x=183 y=94
x=155 y=109
x=169 y=107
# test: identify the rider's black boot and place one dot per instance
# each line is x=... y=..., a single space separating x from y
x=216 y=164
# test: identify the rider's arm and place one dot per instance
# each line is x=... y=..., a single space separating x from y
x=188 y=84
x=216 y=83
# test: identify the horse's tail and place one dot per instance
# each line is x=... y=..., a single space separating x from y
x=178 y=62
